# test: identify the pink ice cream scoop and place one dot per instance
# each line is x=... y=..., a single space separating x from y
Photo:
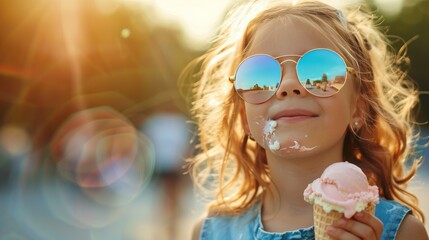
x=342 y=187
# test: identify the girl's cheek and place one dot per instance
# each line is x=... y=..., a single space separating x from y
x=256 y=125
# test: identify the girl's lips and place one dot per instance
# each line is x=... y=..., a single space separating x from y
x=297 y=118
x=294 y=115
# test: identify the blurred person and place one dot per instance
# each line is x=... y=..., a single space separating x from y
x=265 y=137
x=170 y=133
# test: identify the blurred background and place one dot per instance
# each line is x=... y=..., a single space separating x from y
x=94 y=127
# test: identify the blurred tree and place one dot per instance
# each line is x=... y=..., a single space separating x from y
x=412 y=21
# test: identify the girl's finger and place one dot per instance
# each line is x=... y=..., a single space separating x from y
x=356 y=228
x=370 y=220
x=338 y=233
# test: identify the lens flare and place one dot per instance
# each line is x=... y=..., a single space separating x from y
x=105 y=155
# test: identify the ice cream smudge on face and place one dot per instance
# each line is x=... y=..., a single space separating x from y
x=301 y=148
x=259 y=119
x=270 y=136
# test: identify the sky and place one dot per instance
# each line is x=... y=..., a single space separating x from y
x=199 y=19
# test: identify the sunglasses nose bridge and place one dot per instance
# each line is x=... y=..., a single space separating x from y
x=289 y=83
x=288 y=60
x=289 y=70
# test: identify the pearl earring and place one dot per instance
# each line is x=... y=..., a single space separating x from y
x=356 y=123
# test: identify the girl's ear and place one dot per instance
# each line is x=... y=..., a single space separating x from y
x=358 y=117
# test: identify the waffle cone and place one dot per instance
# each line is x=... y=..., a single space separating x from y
x=322 y=220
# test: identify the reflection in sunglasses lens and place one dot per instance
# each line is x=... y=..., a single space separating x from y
x=257 y=78
x=322 y=72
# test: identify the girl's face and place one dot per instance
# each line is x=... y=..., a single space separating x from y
x=294 y=123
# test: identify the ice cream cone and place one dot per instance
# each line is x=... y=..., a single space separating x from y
x=322 y=220
x=342 y=190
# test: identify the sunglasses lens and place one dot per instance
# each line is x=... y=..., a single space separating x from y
x=322 y=72
x=257 y=78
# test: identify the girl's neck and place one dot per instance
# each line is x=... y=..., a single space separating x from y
x=284 y=207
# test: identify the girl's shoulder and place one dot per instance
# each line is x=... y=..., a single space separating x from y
x=392 y=214
x=412 y=228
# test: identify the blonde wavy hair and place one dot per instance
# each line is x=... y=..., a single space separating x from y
x=233 y=172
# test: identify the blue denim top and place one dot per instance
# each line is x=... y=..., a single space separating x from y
x=249 y=225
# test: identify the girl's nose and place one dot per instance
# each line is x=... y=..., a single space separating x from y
x=290 y=85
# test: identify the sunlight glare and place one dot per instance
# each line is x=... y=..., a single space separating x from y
x=107 y=7
x=198 y=19
x=390 y=7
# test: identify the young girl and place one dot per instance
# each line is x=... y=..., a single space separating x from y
x=286 y=90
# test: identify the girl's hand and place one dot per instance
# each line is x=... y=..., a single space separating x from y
x=361 y=226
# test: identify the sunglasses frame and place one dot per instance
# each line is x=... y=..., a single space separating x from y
x=348 y=70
